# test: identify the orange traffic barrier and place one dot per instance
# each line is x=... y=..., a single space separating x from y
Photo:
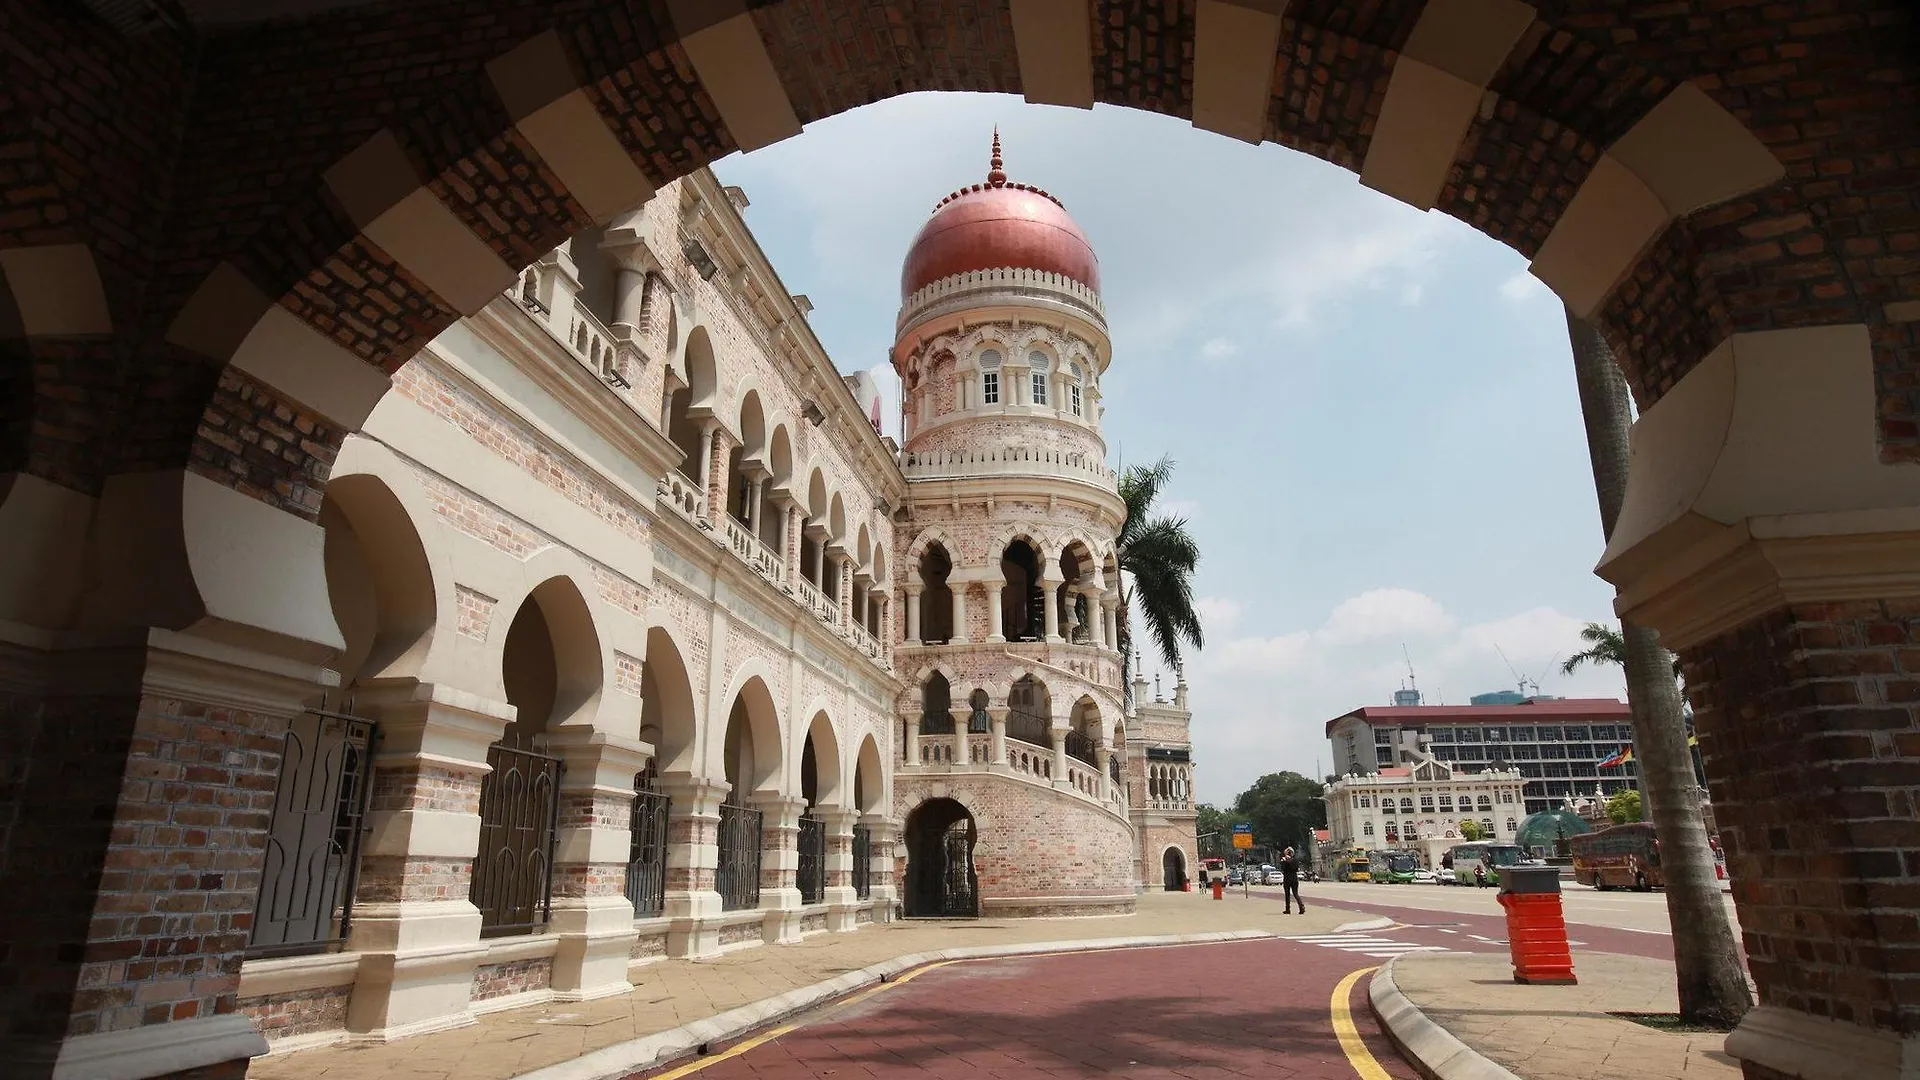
x=1536 y=926
x=1219 y=889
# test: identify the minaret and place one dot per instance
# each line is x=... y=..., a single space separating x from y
x=1180 y=687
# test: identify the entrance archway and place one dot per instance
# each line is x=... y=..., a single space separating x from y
x=1173 y=870
x=941 y=882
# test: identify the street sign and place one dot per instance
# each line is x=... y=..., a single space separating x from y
x=1242 y=839
x=1248 y=829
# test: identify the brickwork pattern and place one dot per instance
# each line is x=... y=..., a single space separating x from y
x=177 y=891
x=1328 y=87
x=424 y=786
x=396 y=878
x=513 y=977
x=1033 y=841
x=301 y=1012
x=1809 y=722
x=476 y=611
x=264 y=447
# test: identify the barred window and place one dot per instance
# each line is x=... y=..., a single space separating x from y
x=990 y=388
x=1037 y=363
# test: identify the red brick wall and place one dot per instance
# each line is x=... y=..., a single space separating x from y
x=1809 y=721
x=302 y=1012
x=512 y=977
x=1033 y=841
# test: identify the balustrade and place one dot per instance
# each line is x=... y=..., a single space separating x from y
x=753 y=551
x=1005 y=461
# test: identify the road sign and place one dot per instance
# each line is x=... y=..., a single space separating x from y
x=1248 y=829
x=1243 y=839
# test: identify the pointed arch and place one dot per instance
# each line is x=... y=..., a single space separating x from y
x=703 y=370
x=870 y=794
x=750 y=751
x=380 y=581
x=550 y=655
x=932 y=534
x=820 y=755
x=668 y=712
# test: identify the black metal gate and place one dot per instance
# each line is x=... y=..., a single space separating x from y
x=940 y=875
x=1029 y=727
x=1082 y=746
x=737 y=874
x=313 y=842
x=519 y=815
x=862 y=862
x=958 y=893
x=813 y=859
x=647 y=854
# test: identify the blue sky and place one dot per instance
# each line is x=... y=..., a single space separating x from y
x=1372 y=409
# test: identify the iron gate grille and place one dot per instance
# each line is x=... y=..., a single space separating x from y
x=519 y=815
x=813 y=859
x=1113 y=768
x=1081 y=745
x=737 y=875
x=936 y=723
x=1029 y=727
x=647 y=855
x=313 y=842
x=862 y=861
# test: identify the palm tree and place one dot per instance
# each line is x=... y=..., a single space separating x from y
x=1605 y=645
x=1159 y=555
x=1712 y=988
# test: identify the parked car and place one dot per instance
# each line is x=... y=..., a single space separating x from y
x=1443 y=876
x=1236 y=875
x=1424 y=876
x=1275 y=877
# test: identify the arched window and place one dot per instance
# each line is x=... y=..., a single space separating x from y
x=1512 y=825
x=1073 y=388
x=1365 y=803
x=1406 y=804
x=1506 y=797
x=990 y=377
x=1485 y=804
x=1037 y=363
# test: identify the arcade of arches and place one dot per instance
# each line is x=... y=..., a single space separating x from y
x=227 y=232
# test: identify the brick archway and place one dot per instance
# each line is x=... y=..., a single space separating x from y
x=221 y=239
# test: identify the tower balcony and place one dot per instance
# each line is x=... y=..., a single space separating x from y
x=1097 y=664
x=1007 y=461
x=1025 y=762
x=992 y=288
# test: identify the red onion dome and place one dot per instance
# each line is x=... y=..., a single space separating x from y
x=997 y=225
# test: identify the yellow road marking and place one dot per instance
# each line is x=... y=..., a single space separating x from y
x=745 y=1045
x=1358 y=1055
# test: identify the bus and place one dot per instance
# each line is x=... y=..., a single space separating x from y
x=1493 y=856
x=1624 y=856
x=1392 y=867
x=1355 y=865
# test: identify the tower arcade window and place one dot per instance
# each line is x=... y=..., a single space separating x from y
x=1038 y=365
x=990 y=377
x=1073 y=388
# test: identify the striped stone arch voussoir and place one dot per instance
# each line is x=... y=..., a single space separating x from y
x=52 y=291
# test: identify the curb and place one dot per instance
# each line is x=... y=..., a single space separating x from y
x=1433 y=1051
x=636 y=1055
x=1364 y=924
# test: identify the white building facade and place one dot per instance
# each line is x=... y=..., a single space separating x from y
x=1420 y=807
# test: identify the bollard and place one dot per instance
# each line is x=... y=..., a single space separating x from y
x=1219 y=889
x=1536 y=926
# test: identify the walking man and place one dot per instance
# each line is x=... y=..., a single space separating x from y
x=1290 y=882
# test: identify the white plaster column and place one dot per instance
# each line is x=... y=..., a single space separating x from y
x=1102 y=755
x=708 y=428
x=913 y=614
x=997 y=725
x=1059 y=731
x=910 y=740
x=693 y=853
x=1047 y=587
x=414 y=925
x=961 y=714
x=629 y=293
x=958 y=587
x=1112 y=609
x=996 y=630
x=592 y=916
x=753 y=506
x=883 y=892
x=839 y=896
x=779 y=865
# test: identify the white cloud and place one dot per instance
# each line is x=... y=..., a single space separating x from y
x=1521 y=286
x=1411 y=294
x=1261 y=700
x=1386 y=615
x=1218 y=348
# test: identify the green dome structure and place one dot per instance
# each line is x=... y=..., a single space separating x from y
x=1544 y=829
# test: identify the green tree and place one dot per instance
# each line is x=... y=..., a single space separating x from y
x=1282 y=807
x=1213 y=829
x=1605 y=645
x=1471 y=830
x=1157 y=558
x=1709 y=982
x=1625 y=806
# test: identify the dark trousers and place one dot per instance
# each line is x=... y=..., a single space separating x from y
x=1291 y=896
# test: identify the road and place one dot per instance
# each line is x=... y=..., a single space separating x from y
x=1293 y=1007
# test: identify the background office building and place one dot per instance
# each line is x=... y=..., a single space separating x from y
x=1556 y=744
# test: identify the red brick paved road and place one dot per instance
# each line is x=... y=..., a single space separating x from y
x=1240 y=1009
x=1488 y=933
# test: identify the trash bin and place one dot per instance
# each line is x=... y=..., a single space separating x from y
x=1536 y=925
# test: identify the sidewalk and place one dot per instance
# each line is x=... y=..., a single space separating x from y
x=1461 y=1016
x=671 y=994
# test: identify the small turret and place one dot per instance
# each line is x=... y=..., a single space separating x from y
x=1180 y=687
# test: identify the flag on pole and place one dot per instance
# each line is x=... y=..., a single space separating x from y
x=1615 y=759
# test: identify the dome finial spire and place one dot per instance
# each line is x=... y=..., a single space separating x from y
x=996 y=168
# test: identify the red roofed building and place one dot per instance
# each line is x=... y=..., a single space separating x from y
x=1554 y=743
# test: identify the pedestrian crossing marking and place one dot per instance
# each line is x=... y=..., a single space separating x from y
x=1364 y=944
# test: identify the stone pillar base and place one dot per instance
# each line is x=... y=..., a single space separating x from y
x=596 y=942
x=204 y=1048
x=413 y=992
x=781 y=922
x=1774 y=1043
x=842 y=904
x=691 y=938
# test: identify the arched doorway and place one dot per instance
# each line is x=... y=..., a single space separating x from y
x=1173 y=869
x=941 y=883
